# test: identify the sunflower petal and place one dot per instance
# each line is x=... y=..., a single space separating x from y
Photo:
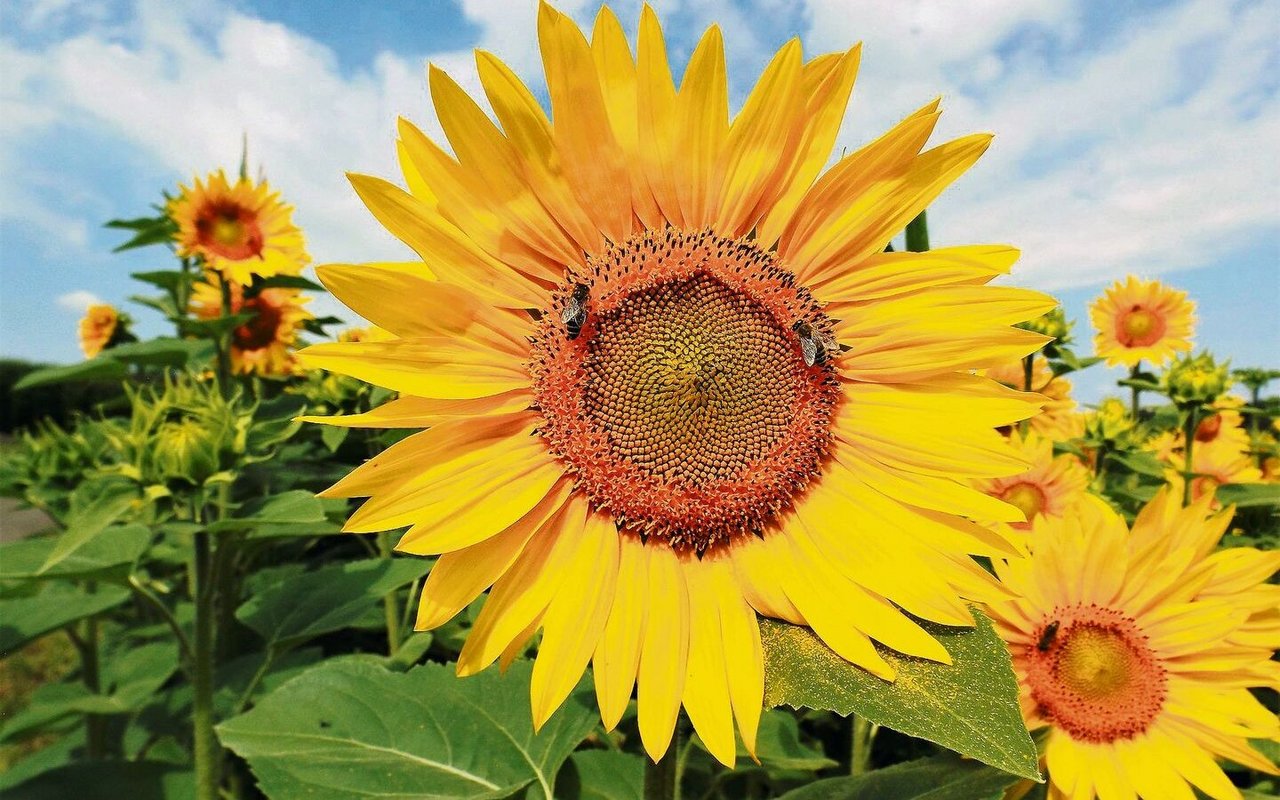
x=617 y=656
x=664 y=653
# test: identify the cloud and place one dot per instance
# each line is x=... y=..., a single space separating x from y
x=78 y=301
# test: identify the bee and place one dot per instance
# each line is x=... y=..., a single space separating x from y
x=817 y=346
x=574 y=315
x=1046 y=638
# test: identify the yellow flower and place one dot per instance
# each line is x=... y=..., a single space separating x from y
x=241 y=229
x=1141 y=321
x=264 y=344
x=97 y=328
x=1138 y=649
x=1056 y=420
x=673 y=380
x=1052 y=485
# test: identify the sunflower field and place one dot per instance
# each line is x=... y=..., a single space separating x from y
x=657 y=472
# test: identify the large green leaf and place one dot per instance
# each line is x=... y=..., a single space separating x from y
x=602 y=775
x=970 y=707
x=164 y=351
x=130 y=677
x=94 y=506
x=109 y=780
x=107 y=556
x=1246 y=495
x=352 y=729
x=327 y=599
x=942 y=778
x=287 y=508
x=101 y=368
x=25 y=618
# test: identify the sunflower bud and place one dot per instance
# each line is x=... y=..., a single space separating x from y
x=187 y=449
x=1111 y=420
x=1196 y=379
x=1053 y=323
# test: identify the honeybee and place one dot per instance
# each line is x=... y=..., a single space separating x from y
x=574 y=315
x=1046 y=638
x=817 y=346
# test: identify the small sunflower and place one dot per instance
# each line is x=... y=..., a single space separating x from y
x=264 y=344
x=1048 y=488
x=1141 y=321
x=673 y=380
x=101 y=327
x=241 y=229
x=1137 y=650
x=1056 y=419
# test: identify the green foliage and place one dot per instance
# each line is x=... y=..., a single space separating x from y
x=970 y=707
x=941 y=778
x=352 y=729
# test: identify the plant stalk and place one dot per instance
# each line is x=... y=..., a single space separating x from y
x=863 y=734
x=390 y=601
x=1135 y=405
x=661 y=779
x=206 y=749
x=1188 y=444
x=918 y=233
x=95 y=731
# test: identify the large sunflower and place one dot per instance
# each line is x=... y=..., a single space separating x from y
x=264 y=344
x=673 y=380
x=1141 y=321
x=241 y=229
x=1137 y=650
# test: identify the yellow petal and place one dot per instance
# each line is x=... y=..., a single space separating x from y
x=754 y=564
x=740 y=631
x=657 y=124
x=423 y=412
x=885 y=275
x=706 y=688
x=617 y=656
x=702 y=114
x=664 y=653
x=441 y=367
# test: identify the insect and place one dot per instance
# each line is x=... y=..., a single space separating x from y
x=817 y=346
x=574 y=315
x=1046 y=638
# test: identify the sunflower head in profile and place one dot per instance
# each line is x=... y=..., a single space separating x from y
x=1141 y=321
x=262 y=345
x=671 y=380
x=1137 y=649
x=1048 y=488
x=101 y=327
x=240 y=229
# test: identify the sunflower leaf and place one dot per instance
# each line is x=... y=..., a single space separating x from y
x=970 y=707
x=101 y=780
x=941 y=778
x=352 y=729
x=1246 y=495
x=25 y=618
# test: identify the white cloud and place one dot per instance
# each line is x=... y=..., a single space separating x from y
x=78 y=301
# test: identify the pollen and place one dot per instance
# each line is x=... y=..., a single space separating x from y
x=1095 y=676
x=684 y=406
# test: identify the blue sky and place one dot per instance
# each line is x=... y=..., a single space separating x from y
x=1130 y=137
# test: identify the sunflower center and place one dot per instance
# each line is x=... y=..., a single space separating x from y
x=676 y=389
x=1026 y=497
x=230 y=231
x=1139 y=327
x=1093 y=673
x=260 y=331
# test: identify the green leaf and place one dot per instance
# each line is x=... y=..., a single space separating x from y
x=149 y=231
x=101 y=368
x=1248 y=495
x=602 y=775
x=941 y=778
x=109 y=780
x=327 y=599
x=1139 y=462
x=25 y=618
x=970 y=707
x=778 y=745
x=60 y=752
x=164 y=351
x=333 y=436
x=214 y=328
x=288 y=282
x=352 y=729
x=108 y=556
x=168 y=279
x=94 y=506
x=287 y=508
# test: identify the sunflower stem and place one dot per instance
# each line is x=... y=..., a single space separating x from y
x=223 y=341
x=1135 y=406
x=863 y=734
x=661 y=778
x=205 y=742
x=1188 y=444
x=390 y=602
x=1028 y=372
x=918 y=233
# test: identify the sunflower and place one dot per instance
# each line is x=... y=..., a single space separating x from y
x=1141 y=321
x=264 y=344
x=1224 y=426
x=1048 y=488
x=1137 y=650
x=1056 y=420
x=241 y=230
x=673 y=380
x=101 y=327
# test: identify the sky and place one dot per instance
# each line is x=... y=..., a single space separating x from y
x=1134 y=137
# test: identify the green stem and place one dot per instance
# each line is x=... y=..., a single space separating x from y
x=1135 y=405
x=251 y=687
x=918 y=233
x=1188 y=444
x=1028 y=370
x=661 y=779
x=95 y=732
x=184 y=644
x=390 y=602
x=206 y=747
x=224 y=341
x=860 y=748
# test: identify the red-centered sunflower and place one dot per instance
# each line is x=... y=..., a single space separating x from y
x=241 y=230
x=673 y=381
x=1137 y=650
x=1049 y=487
x=1141 y=321
x=264 y=344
